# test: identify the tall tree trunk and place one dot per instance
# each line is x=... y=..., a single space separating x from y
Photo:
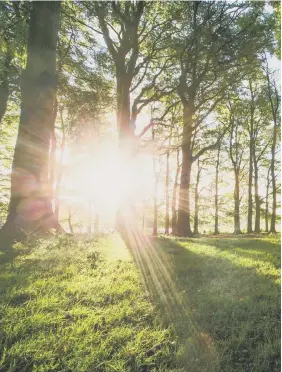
x=196 y=211
x=251 y=159
x=274 y=100
x=183 y=221
x=250 y=187
x=273 y=181
x=257 y=199
x=4 y=86
x=174 y=193
x=267 y=200
x=126 y=141
x=167 y=177
x=30 y=207
x=237 y=229
x=216 y=225
x=155 y=221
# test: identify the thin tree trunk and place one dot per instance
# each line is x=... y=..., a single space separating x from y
x=155 y=222
x=275 y=103
x=167 y=177
x=267 y=200
x=30 y=207
x=183 y=221
x=4 y=86
x=196 y=211
x=174 y=193
x=257 y=200
x=273 y=181
x=216 y=224
x=250 y=187
x=237 y=229
x=70 y=221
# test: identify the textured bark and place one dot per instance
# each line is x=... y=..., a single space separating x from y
x=196 y=211
x=174 y=193
x=4 y=86
x=251 y=158
x=155 y=221
x=167 y=219
x=273 y=180
x=30 y=207
x=250 y=187
x=216 y=224
x=183 y=221
x=257 y=199
x=274 y=100
x=267 y=200
x=237 y=229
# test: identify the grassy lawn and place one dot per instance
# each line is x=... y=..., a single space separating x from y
x=165 y=304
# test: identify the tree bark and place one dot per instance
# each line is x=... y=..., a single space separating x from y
x=196 y=211
x=267 y=200
x=167 y=177
x=4 y=86
x=183 y=221
x=174 y=193
x=216 y=224
x=237 y=229
x=155 y=221
x=257 y=199
x=274 y=100
x=273 y=180
x=250 y=187
x=30 y=207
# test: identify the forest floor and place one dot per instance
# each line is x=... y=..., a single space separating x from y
x=163 y=304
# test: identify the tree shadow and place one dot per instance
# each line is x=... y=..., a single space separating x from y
x=249 y=247
x=223 y=315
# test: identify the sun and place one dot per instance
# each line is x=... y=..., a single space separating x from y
x=102 y=179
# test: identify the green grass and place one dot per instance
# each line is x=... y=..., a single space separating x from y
x=206 y=304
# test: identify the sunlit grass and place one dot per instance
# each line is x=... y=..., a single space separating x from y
x=165 y=304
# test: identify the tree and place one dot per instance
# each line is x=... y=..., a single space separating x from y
x=30 y=203
x=212 y=39
x=274 y=102
x=236 y=152
x=216 y=228
x=13 y=19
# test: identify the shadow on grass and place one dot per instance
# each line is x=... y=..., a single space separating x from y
x=225 y=316
x=255 y=248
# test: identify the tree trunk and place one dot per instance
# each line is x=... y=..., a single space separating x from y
x=155 y=222
x=183 y=221
x=237 y=229
x=216 y=228
x=275 y=103
x=196 y=211
x=126 y=141
x=167 y=188
x=4 y=86
x=70 y=221
x=173 y=201
x=250 y=186
x=30 y=207
x=273 y=181
x=267 y=200
x=257 y=200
